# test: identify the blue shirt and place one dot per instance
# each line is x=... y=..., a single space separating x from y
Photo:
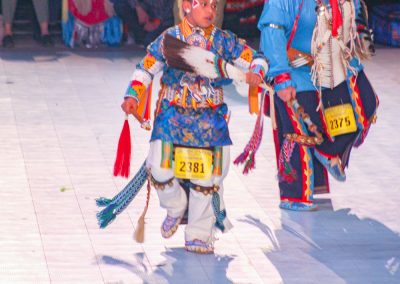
x=282 y=14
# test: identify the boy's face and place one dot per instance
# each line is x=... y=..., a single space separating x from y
x=200 y=13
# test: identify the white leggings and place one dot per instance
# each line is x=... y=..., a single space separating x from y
x=201 y=217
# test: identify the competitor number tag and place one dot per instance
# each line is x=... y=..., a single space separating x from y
x=340 y=120
x=192 y=163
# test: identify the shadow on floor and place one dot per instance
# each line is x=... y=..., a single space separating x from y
x=179 y=267
x=330 y=246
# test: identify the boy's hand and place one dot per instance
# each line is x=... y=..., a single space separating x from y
x=130 y=105
x=287 y=94
x=253 y=79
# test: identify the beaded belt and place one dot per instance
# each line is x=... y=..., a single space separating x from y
x=175 y=97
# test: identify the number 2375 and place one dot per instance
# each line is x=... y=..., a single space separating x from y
x=338 y=123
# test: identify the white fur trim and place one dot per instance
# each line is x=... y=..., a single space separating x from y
x=142 y=76
x=262 y=62
x=241 y=63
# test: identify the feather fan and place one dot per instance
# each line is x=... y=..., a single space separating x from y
x=194 y=59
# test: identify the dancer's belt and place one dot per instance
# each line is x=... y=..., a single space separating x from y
x=177 y=97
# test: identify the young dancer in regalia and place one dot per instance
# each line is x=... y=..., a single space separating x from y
x=190 y=139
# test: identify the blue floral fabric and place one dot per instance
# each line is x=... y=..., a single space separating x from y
x=204 y=127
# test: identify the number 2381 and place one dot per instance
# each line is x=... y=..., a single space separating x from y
x=192 y=167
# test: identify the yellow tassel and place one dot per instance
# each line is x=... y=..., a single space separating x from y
x=184 y=95
x=144 y=99
x=194 y=105
x=253 y=100
x=166 y=161
x=217 y=171
x=139 y=232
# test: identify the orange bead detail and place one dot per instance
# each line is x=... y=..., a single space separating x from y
x=149 y=61
x=247 y=54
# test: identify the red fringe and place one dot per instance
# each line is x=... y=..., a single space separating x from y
x=123 y=159
x=250 y=163
x=248 y=155
x=286 y=174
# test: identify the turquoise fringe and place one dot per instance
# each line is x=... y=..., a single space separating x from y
x=119 y=202
x=220 y=215
x=103 y=202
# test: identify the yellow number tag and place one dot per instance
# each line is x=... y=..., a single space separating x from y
x=340 y=120
x=192 y=163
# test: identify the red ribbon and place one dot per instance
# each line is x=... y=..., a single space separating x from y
x=337 y=20
x=282 y=78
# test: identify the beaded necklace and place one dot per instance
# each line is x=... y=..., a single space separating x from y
x=185 y=30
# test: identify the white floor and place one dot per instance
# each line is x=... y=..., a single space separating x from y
x=59 y=126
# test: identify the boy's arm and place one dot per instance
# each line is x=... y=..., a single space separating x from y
x=143 y=76
x=252 y=62
x=244 y=57
x=145 y=71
